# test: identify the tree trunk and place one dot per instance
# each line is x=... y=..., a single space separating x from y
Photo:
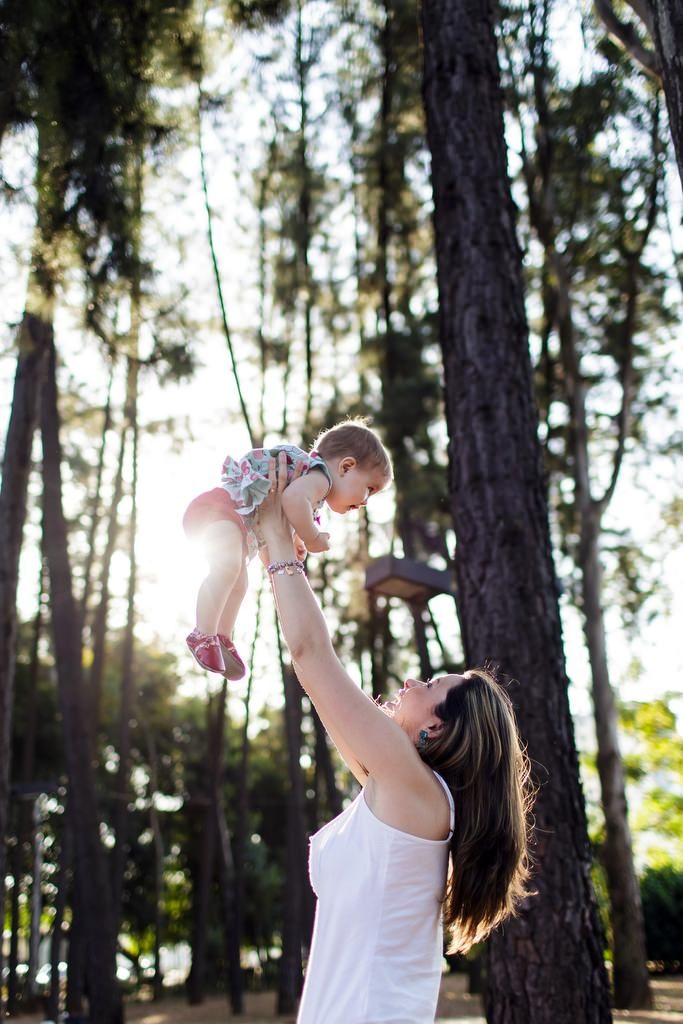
x=631 y=981
x=155 y=825
x=90 y=869
x=99 y=626
x=23 y=810
x=231 y=936
x=76 y=966
x=302 y=65
x=297 y=895
x=548 y=963
x=96 y=506
x=325 y=766
x=668 y=39
x=37 y=842
x=14 y=869
x=242 y=786
x=52 y=1008
x=201 y=897
x=216 y=736
x=35 y=336
x=123 y=788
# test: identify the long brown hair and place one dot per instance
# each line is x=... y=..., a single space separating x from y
x=479 y=754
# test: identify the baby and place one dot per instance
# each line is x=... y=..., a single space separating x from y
x=347 y=465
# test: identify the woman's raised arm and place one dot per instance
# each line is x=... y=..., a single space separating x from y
x=368 y=740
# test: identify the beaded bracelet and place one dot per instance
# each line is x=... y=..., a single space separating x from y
x=286 y=567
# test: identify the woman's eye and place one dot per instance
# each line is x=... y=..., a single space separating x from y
x=428 y=684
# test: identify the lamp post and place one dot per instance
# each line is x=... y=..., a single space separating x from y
x=415 y=583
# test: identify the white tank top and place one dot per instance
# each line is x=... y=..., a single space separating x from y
x=377 y=949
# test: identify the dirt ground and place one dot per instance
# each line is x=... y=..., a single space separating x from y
x=455 y=1007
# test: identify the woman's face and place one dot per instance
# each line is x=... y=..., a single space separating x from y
x=413 y=706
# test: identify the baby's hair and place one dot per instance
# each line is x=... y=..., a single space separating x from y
x=354 y=437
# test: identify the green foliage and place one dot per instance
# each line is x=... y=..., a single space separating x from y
x=661 y=891
x=257 y=14
x=654 y=765
x=593 y=156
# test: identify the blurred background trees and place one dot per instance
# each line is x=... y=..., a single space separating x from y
x=268 y=275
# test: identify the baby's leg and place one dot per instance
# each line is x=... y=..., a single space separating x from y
x=223 y=547
x=226 y=621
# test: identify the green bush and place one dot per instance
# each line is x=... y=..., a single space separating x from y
x=662 y=895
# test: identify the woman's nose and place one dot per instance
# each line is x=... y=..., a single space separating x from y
x=409 y=683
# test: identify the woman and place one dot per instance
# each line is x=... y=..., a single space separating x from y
x=443 y=773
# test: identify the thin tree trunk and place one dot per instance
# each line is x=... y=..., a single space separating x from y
x=305 y=201
x=226 y=867
x=53 y=1007
x=76 y=965
x=91 y=875
x=95 y=505
x=662 y=20
x=14 y=868
x=37 y=838
x=668 y=38
x=243 y=780
x=630 y=976
x=631 y=980
x=35 y=337
x=297 y=895
x=548 y=963
x=26 y=778
x=214 y=263
x=215 y=728
x=123 y=794
x=99 y=627
x=323 y=760
x=155 y=825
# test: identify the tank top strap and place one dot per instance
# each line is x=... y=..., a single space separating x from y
x=451 y=804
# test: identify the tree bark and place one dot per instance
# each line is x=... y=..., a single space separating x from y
x=35 y=336
x=668 y=39
x=99 y=626
x=631 y=979
x=90 y=869
x=548 y=963
x=231 y=935
x=155 y=825
x=96 y=505
x=53 y=1007
x=204 y=873
x=297 y=895
x=126 y=708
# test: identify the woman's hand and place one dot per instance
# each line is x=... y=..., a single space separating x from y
x=273 y=525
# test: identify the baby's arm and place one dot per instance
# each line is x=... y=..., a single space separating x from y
x=298 y=501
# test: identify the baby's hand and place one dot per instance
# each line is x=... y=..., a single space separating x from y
x=319 y=543
x=300 y=549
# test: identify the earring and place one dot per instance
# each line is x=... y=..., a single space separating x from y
x=422 y=739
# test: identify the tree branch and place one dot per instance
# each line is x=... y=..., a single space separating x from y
x=624 y=35
x=633 y=258
x=214 y=264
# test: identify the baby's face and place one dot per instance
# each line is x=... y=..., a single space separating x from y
x=352 y=485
